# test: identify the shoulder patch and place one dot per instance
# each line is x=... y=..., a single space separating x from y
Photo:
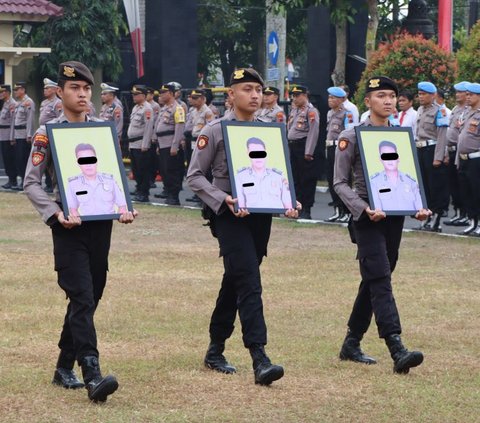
x=311 y=116
x=40 y=140
x=343 y=144
x=148 y=114
x=202 y=142
x=27 y=104
x=280 y=117
x=117 y=113
x=38 y=157
x=179 y=115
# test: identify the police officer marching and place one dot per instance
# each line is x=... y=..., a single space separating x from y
x=24 y=128
x=271 y=112
x=50 y=108
x=431 y=142
x=242 y=237
x=7 y=122
x=80 y=248
x=338 y=119
x=302 y=132
x=169 y=134
x=468 y=160
x=377 y=237
x=112 y=110
x=457 y=118
x=140 y=133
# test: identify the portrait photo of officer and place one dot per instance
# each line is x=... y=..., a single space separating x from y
x=393 y=190
x=91 y=192
x=259 y=186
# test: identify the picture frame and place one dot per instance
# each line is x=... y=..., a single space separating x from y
x=261 y=184
x=89 y=169
x=391 y=169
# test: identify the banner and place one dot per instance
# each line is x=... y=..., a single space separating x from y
x=133 y=16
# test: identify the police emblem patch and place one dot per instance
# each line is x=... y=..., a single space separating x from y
x=342 y=144
x=374 y=83
x=37 y=157
x=239 y=74
x=202 y=142
x=69 y=72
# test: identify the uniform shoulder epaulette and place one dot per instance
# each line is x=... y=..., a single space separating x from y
x=214 y=122
x=409 y=177
x=243 y=169
x=106 y=175
x=73 y=178
x=375 y=175
x=279 y=172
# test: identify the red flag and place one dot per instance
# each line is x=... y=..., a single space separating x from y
x=445 y=18
x=133 y=16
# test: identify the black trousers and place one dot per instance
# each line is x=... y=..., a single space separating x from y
x=141 y=169
x=243 y=243
x=154 y=168
x=8 y=154
x=453 y=184
x=174 y=170
x=304 y=173
x=330 y=166
x=469 y=180
x=81 y=262
x=22 y=153
x=435 y=180
x=378 y=244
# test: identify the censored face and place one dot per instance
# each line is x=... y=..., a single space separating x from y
x=258 y=156
x=87 y=161
x=389 y=158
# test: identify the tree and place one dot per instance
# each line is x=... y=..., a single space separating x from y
x=467 y=56
x=88 y=31
x=409 y=59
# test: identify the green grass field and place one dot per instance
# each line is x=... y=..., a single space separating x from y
x=152 y=327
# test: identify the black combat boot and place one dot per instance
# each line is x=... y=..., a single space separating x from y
x=455 y=217
x=472 y=225
x=265 y=372
x=172 y=200
x=98 y=387
x=434 y=225
x=215 y=360
x=64 y=374
x=403 y=359
x=305 y=213
x=351 y=350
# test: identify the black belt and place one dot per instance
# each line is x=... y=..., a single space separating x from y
x=300 y=140
x=20 y=126
x=135 y=139
x=165 y=133
x=4 y=126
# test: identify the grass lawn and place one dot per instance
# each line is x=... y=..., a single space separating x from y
x=152 y=327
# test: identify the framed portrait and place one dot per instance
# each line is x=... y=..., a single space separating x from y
x=391 y=169
x=89 y=169
x=259 y=166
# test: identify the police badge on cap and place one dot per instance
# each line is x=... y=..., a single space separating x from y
x=377 y=83
x=74 y=71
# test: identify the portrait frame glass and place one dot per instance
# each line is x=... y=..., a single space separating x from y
x=405 y=197
x=110 y=185
x=275 y=191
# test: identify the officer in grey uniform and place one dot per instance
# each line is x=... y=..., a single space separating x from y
x=7 y=122
x=24 y=128
x=338 y=119
x=242 y=237
x=92 y=192
x=392 y=189
x=302 y=132
x=80 y=248
x=153 y=148
x=468 y=160
x=271 y=111
x=112 y=110
x=169 y=134
x=377 y=237
x=457 y=118
x=258 y=186
x=50 y=108
x=140 y=133
x=431 y=141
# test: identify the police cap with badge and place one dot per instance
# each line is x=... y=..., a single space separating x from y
x=139 y=89
x=271 y=90
x=378 y=83
x=5 y=87
x=197 y=93
x=246 y=75
x=48 y=83
x=167 y=87
x=74 y=71
x=299 y=89
x=108 y=88
x=20 y=85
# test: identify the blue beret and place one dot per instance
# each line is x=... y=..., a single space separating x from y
x=461 y=86
x=473 y=87
x=428 y=87
x=337 y=92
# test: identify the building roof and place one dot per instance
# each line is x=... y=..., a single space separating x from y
x=30 y=7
